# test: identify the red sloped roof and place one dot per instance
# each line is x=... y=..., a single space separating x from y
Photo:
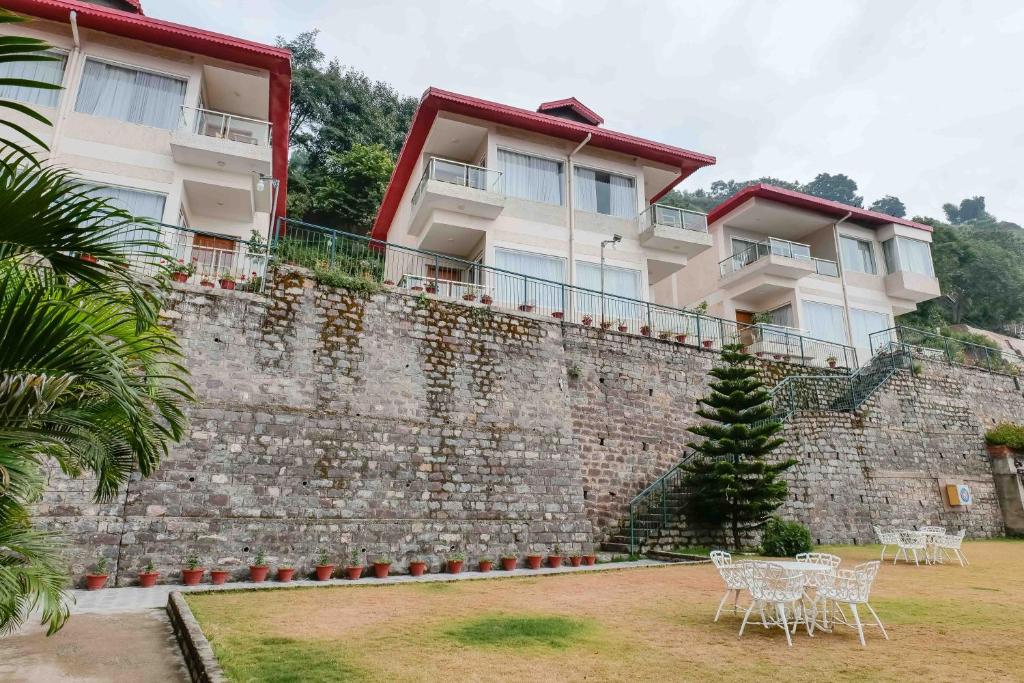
x=582 y=110
x=276 y=60
x=435 y=100
x=809 y=202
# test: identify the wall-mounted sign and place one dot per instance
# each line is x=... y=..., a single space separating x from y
x=959 y=494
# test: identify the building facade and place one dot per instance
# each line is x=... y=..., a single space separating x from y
x=179 y=125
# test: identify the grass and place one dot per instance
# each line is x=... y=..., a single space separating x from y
x=638 y=624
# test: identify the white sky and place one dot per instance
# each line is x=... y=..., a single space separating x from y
x=924 y=100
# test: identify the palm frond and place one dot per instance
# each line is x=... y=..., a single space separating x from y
x=22 y=49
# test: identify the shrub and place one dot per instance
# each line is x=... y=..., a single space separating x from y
x=785 y=539
x=1006 y=434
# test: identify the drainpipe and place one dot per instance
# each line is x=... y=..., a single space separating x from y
x=572 y=213
x=70 y=67
x=842 y=280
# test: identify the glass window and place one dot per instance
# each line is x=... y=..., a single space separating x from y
x=618 y=281
x=863 y=324
x=47 y=72
x=781 y=316
x=130 y=95
x=530 y=177
x=138 y=203
x=858 y=255
x=512 y=290
x=605 y=193
x=908 y=255
x=825 y=321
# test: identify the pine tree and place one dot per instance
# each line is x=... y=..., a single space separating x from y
x=732 y=484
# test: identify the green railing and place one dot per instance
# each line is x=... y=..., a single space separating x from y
x=936 y=347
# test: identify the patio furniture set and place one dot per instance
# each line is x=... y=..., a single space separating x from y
x=934 y=544
x=810 y=591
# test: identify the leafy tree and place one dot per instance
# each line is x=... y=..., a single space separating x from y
x=970 y=209
x=889 y=205
x=733 y=485
x=348 y=192
x=839 y=188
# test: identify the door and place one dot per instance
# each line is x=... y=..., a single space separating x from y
x=744 y=325
x=213 y=255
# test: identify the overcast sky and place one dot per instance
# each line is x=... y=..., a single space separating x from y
x=924 y=100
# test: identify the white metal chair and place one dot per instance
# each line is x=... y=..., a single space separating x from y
x=734 y=576
x=771 y=585
x=930 y=534
x=951 y=542
x=823 y=559
x=912 y=541
x=886 y=538
x=850 y=587
x=934 y=529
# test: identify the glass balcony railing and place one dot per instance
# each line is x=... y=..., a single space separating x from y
x=777 y=247
x=457 y=173
x=216 y=124
x=673 y=217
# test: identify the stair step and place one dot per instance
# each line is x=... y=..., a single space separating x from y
x=622 y=548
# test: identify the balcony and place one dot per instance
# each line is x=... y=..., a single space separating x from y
x=222 y=141
x=673 y=229
x=912 y=286
x=453 y=204
x=769 y=266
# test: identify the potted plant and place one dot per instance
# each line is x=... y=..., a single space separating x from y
x=219 y=576
x=485 y=564
x=416 y=288
x=381 y=566
x=417 y=566
x=487 y=299
x=590 y=560
x=681 y=337
x=354 y=568
x=227 y=281
x=98 y=578
x=831 y=360
x=508 y=562
x=558 y=315
x=285 y=572
x=181 y=271
x=555 y=558
x=324 y=568
x=1005 y=440
x=708 y=343
x=606 y=324
x=645 y=330
x=192 y=574
x=575 y=559
x=665 y=335
x=389 y=283
x=622 y=326
x=455 y=562
x=258 y=569
x=470 y=293
x=587 y=320
x=533 y=560
x=526 y=308
x=148 y=576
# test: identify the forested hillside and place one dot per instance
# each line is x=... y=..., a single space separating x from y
x=347 y=129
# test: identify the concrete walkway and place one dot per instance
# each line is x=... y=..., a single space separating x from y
x=116 y=600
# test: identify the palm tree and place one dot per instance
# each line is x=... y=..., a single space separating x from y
x=88 y=379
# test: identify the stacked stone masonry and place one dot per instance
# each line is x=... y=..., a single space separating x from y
x=402 y=425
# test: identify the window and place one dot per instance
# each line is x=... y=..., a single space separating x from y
x=863 y=324
x=47 y=72
x=908 y=255
x=605 y=193
x=618 y=281
x=858 y=255
x=512 y=290
x=781 y=316
x=130 y=95
x=136 y=202
x=825 y=321
x=530 y=177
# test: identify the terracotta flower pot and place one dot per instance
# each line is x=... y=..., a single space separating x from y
x=708 y=343
x=999 y=451
x=148 y=579
x=353 y=572
x=431 y=289
x=179 y=277
x=533 y=561
x=454 y=566
x=587 y=321
x=576 y=560
x=89 y=258
x=554 y=561
x=258 y=574
x=94 y=582
x=558 y=315
x=606 y=325
x=227 y=284
x=487 y=299
x=207 y=284
x=219 y=576
x=645 y=331
x=417 y=568
x=192 y=577
x=416 y=288
x=381 y=569
x=508 y=563
x=526 y=308
x=486 y=565
x=389 y=283
x=285 y=574
x=324 y=571
x=623 y=328
x=681 y=338
x=590 y=560
x=469 y=297
x=831 y=363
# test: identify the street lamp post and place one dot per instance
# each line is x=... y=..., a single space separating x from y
x=613 y=241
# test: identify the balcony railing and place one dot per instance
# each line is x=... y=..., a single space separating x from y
x=457 y=173
x=673 y=217
x=216 y=124
x=448 y=277
x=777 y=247
x=937 y=347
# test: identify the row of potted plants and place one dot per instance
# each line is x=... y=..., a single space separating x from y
x=192 y=571
x=182 y=272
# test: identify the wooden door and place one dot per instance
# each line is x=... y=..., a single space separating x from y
x=213 y=255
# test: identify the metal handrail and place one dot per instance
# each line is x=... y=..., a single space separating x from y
x=199 y=114
x=655 y=214
x=430 y=173
x=918 y=343
x=777 y=247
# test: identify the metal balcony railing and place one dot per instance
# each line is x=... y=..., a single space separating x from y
x=936 y=347
x=777 y=247
x=673 y=217
x=216 y=124
x=457 y=173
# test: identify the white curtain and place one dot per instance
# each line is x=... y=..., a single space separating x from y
x=47 y=72
x=585 y=190
x=619 y=284
x=622 y=198
x=512 y=290
x=858 y=255
x=782 y=316
x=824 y=321
x=862 y=325
x=916 y=256
x=130 y=95
x=529 y=177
